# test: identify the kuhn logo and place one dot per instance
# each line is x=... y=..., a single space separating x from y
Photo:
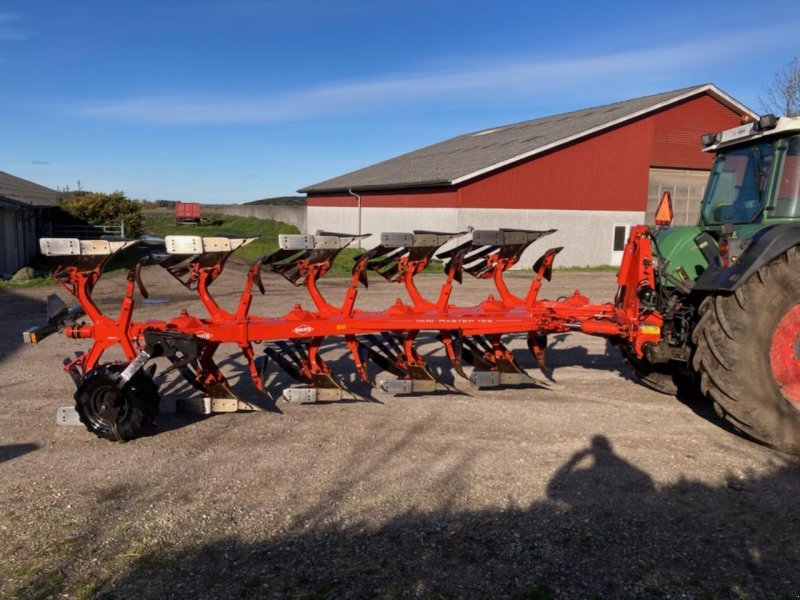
x=203 y=334
x=303 y=329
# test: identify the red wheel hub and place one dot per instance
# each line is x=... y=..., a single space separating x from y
x=784 y=355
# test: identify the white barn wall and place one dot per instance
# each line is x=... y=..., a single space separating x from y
x=587 y=236
x=294 y=215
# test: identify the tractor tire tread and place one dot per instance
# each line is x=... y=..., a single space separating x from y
x=731 y=356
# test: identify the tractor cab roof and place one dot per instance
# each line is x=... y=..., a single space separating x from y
x=766 y=127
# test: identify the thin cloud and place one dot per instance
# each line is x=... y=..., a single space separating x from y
x=301 y=10
x=11 y=34
x=521 y=78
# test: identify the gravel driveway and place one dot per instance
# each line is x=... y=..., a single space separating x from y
x=595 y=488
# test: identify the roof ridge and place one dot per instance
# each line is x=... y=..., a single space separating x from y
x=463 y=157
x=678 y=92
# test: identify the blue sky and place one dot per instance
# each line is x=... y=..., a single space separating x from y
x=233 y=101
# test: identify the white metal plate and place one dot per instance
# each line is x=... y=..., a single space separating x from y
x=183 y=244
x=295 y=242
x=75 y=247
x=392 y=239
x=514 y=237
x=60 y=246
x=737 y=132
x=300 y=394
x=239 y=242
x=330 y=242
x=426 y=240
x=68 y=416
x=95 y=247
x=223 y=405
x=216 y=244
x=484 y=237
x=224 y=244
x=104 y=247
x=396 y=386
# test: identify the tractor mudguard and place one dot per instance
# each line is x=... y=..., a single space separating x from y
x=767 y=244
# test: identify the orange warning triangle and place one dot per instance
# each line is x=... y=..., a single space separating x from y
x=664 y=210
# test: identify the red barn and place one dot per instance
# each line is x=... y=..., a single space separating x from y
x=590 y=174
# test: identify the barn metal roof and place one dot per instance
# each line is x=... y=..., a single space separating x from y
x=467 y=156
x=22 y=190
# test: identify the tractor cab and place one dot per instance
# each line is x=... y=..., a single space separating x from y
x=755 y=178
x=754 y=183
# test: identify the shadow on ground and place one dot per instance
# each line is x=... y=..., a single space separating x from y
x=12 y=451
x=19 y=313
x=355 y=390
x=604 y=530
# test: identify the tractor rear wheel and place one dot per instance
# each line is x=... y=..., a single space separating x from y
x=747 y=354
x=138 y=400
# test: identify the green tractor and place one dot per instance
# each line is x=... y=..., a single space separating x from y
x=729 y=287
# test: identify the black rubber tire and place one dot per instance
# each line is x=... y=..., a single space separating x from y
x=140 y=403
x=664 y=378
x=732 y=353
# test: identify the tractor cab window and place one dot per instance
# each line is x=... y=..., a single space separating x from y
x=787 y=197
x=738 y=184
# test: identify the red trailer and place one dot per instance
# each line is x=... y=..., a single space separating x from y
x=187 y=213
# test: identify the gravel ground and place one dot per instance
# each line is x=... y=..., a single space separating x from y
x=595 y=488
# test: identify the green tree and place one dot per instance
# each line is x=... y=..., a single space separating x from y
x=96 y=208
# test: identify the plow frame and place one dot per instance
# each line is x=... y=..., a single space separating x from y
x=294 y=339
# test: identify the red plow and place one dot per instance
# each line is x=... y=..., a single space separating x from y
x=120 y=400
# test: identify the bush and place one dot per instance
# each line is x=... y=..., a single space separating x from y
x=96 y=208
